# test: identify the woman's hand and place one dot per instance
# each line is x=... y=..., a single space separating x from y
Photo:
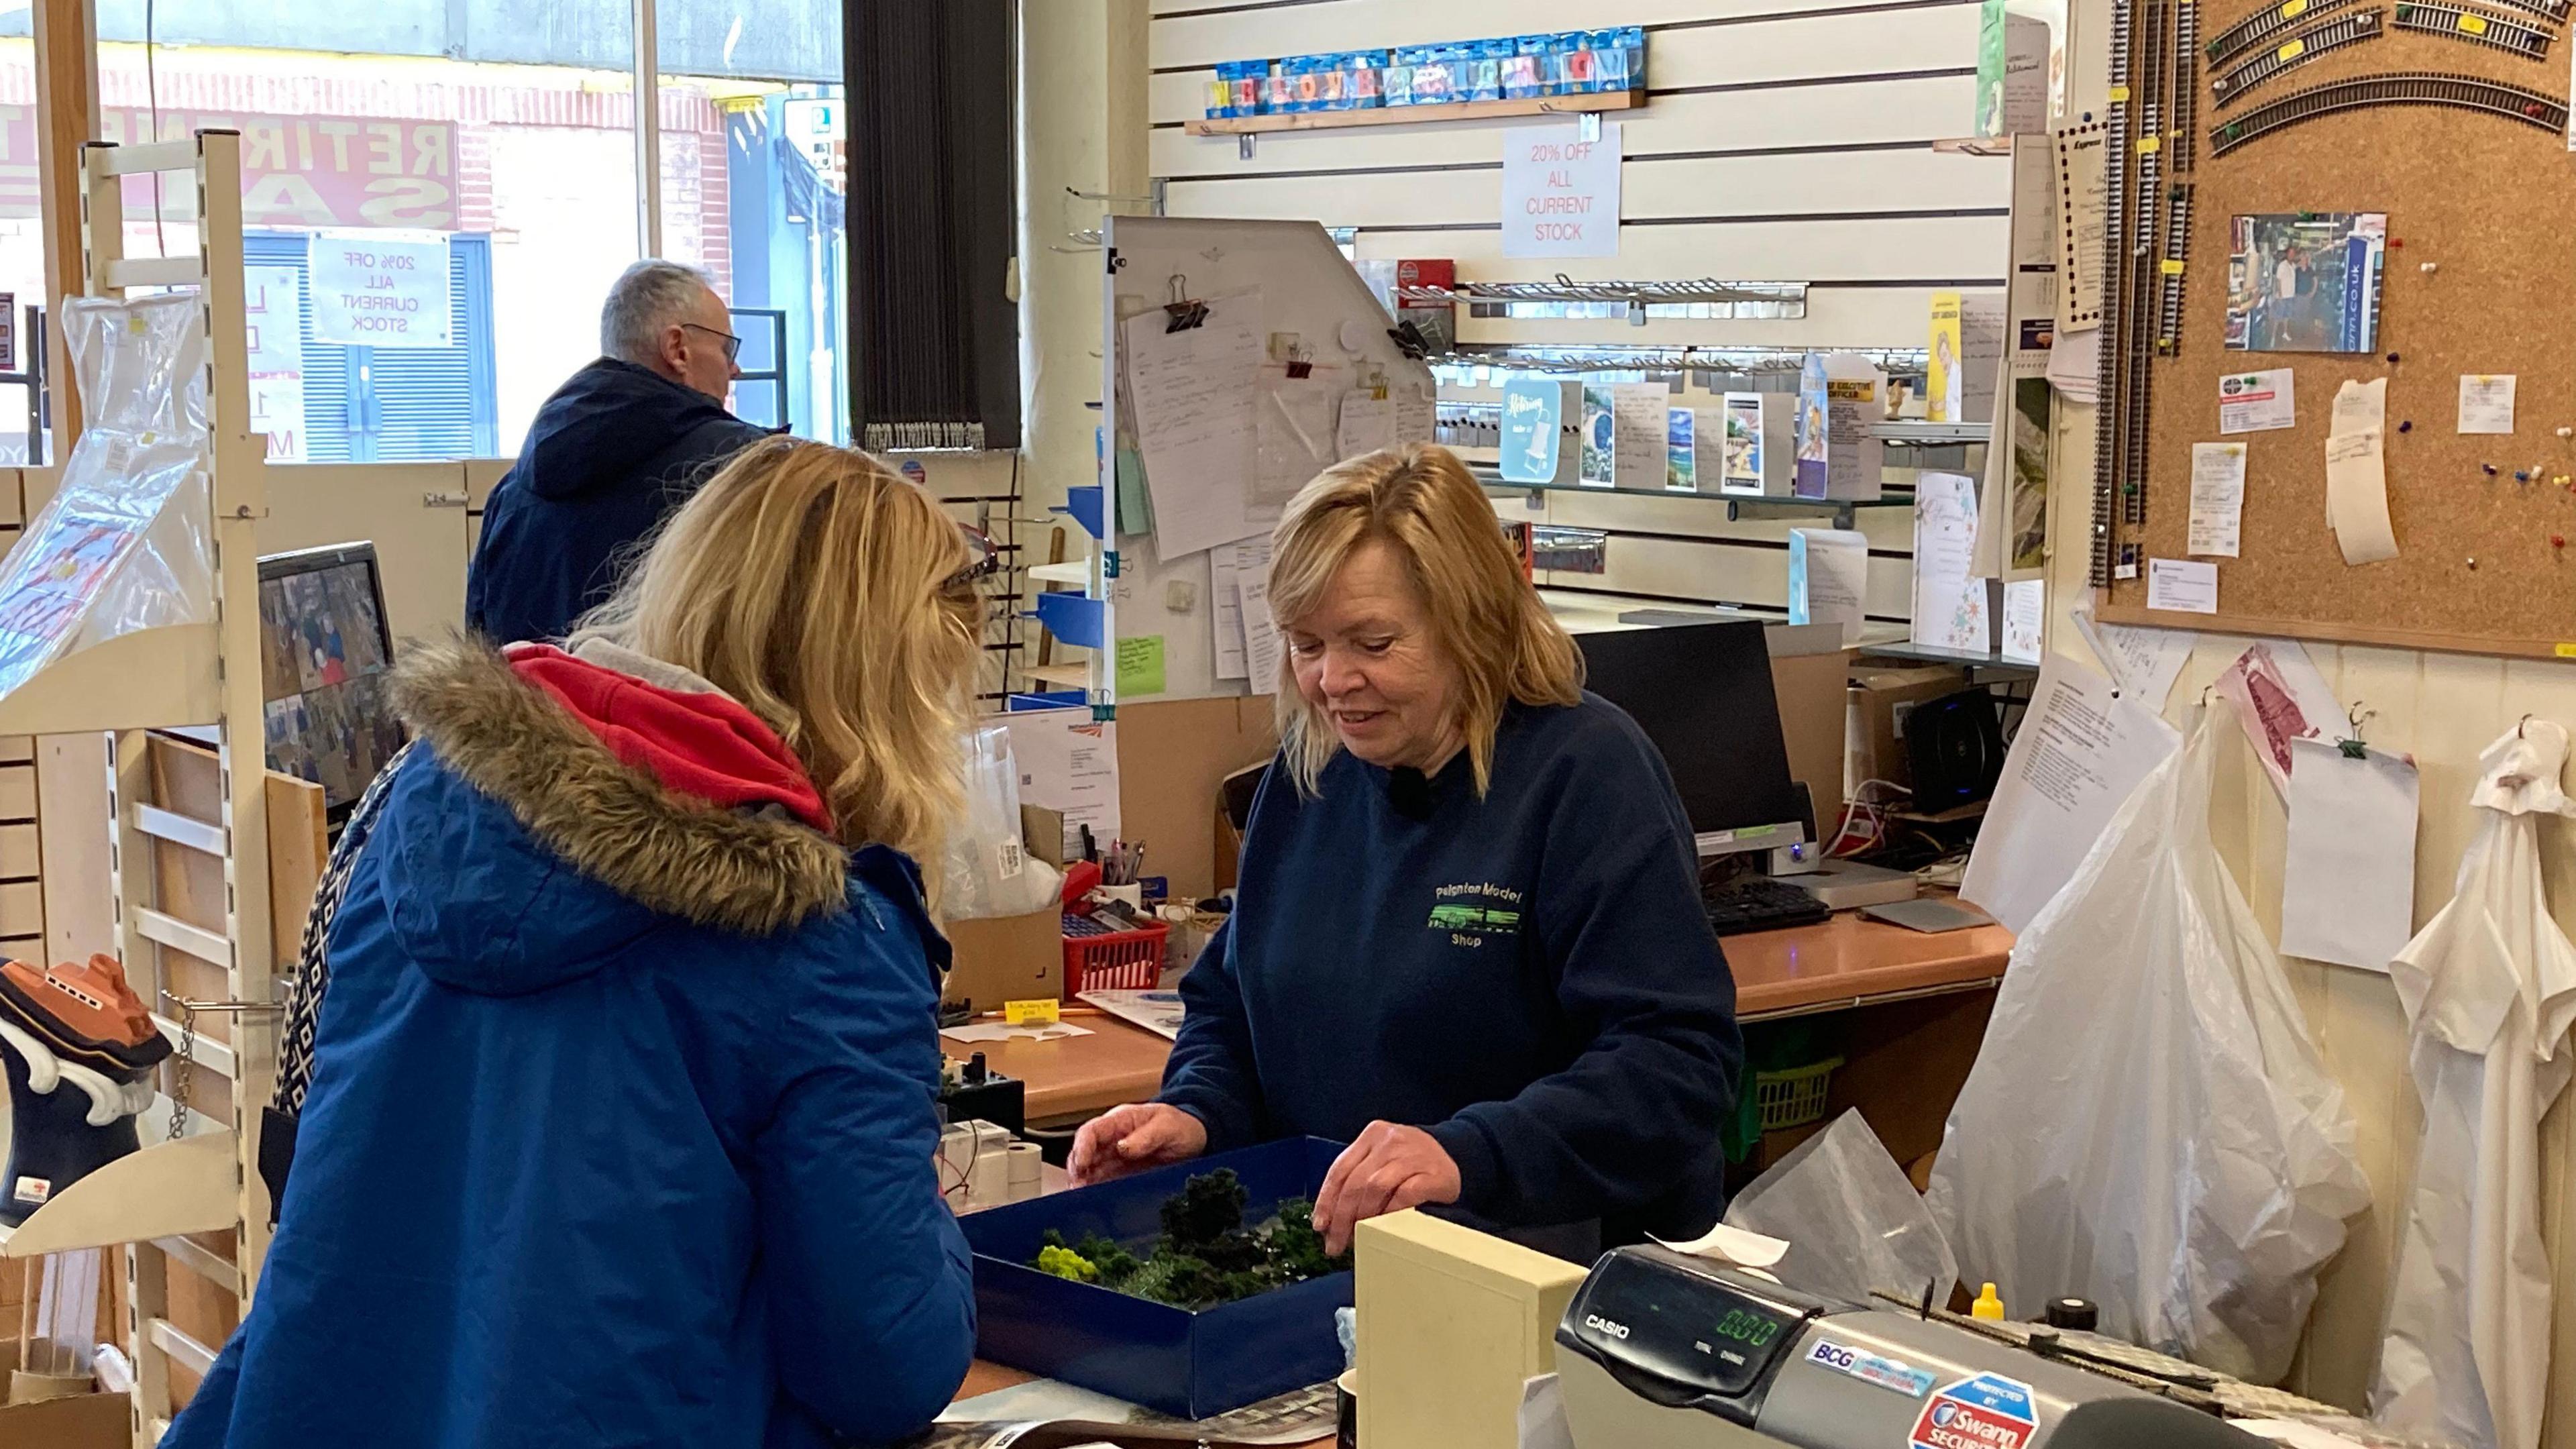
x=1389 y=1169
x=1132 y=1138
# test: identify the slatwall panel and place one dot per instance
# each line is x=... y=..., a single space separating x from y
x=1782 y=140
x=22 y=905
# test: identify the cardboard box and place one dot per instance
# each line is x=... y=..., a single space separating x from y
x=1880 y=699
x=1810 y=689
x=1452 y=1322
x=87 y=1421
x=1013 y=958
x=1173 y=754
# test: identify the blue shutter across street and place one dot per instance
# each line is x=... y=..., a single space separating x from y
x=388 y=404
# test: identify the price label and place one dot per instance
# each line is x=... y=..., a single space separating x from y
x=1031 y=1013
x=2473 y=25
x=2291 y=51
x=2293 y=9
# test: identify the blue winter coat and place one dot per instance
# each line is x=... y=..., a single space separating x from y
x=621 y=1125
x=609 y=455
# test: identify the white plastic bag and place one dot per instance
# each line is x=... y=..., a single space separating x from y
x=987 y=870
x=1852 y=1221
x=2148 y=1124
x=122 y=544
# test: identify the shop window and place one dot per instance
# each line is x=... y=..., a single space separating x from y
x=322 y=401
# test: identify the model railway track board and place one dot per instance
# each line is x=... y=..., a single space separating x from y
x=2266 y=26
x=2422 y=88
x=2405 y=152
x=2322 y=38
x=2476 y=26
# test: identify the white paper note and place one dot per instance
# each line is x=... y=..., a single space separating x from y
x=2217 y=498
x=1828 y=578
x=2025 y=618
x=1368 y=424
x=1295 y=441
x=2486 y=402
x=2182 y=586
x=1226 y=564
x=2254 y=402
x=2357 y=496
x=2082 y=748
x=1949 y=601
x=1260 y=634
x=1068 y=763
x=2359 y=407
x=2074 y=365
x=2146 y=662
x=1417 y=414
x=2084 y=188
x=2348 y=883
x=1194 y=393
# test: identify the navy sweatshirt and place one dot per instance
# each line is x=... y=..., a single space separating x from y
x=615 y=449
x=1529 y=975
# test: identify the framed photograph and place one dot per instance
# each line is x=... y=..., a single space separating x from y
x=2305 y=281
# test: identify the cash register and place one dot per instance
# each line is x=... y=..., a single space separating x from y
x=1662 y=1351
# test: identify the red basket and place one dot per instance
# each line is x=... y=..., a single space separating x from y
x=1097 y=958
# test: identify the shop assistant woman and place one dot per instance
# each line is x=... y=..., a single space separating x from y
x=1468 y=937
x=621 y=1120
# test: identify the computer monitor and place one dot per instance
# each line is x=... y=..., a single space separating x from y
x=325 y=661
x=1702 y=693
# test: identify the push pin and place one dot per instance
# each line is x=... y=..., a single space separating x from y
x=2522 y=475
x=2473 y=566
x=2392 y=359
x=2429 y=268
x=2535 y=110
x=2490 y=467
x=2559 y=482
x=2397 y=244
x=2557 y=540
x=2406 y=427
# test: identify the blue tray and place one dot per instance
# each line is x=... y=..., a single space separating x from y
x=1195 y=1365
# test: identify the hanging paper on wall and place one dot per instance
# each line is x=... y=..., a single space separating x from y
x=1140 y=666
x=2348 y=877
x=1560 y=192
x=379 y=288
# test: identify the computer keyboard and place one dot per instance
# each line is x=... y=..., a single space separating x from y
x=1759 y=903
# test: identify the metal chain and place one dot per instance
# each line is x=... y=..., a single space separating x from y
x=185 y=1070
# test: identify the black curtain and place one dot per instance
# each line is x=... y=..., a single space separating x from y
x=934 y=336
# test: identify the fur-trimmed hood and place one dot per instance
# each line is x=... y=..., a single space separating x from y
x=740 y=862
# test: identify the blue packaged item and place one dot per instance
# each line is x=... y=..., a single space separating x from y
x=1364 y=79
x=1632 y=41
x=1573 y=64
x=1195 y=1365
x=1609 y=62
x=1398 y=85
x=1525 y=75
x=1275 y=99
x=1486 y=67
x=1435 y=78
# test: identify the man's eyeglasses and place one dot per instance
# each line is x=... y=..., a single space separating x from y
x=732 y=344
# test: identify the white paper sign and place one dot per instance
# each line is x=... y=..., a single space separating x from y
x=1949 y=601
x=2217 y=498
x=273 y=306
x=2348 y=881
x=2146 y=662
x=1560 y=193
x=1367 y=425
x=2486 y=403
x=379 y=288
x=1260 y=633
x=2081 y=750
x=2182 y=586
x=1227 y=563
x=1194 y=392
x=1068 y=763
x=2357 y=496
x=2253 y=402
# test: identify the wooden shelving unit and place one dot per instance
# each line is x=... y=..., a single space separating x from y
x=1417 y=115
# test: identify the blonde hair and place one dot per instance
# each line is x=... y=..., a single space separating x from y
x=1424 y=504
x=819 y=588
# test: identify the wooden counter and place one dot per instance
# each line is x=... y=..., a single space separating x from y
x=1845 y=962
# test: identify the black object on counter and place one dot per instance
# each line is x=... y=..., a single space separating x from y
x=2076 y=1314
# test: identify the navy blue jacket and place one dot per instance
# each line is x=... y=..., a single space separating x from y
x=621 y=1126
x=614 y=450
x=1529 y=975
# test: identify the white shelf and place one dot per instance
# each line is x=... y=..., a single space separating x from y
x=165 y=1190
x=149 y=679
x=1076 y=572
x=1064 y=676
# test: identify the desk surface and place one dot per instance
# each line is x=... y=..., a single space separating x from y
x=1844 y=962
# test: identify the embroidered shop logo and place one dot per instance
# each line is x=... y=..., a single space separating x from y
x=1472 y=913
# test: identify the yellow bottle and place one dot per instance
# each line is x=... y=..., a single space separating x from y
x=1987 y=1305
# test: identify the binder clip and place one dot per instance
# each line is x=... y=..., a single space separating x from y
x=1300 y=363
x=1187 y=312
x=1409 y=340
x=1377 y=385
x=2353 y=748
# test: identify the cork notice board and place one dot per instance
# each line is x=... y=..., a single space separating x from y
x=2477 y=279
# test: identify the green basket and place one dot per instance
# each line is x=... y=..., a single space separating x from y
x=1788 y=1078
x=1795 y=1097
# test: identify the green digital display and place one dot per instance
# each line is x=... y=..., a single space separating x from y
x=1753 y=1330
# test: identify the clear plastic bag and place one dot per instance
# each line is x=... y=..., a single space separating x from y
x=1852 y=1220
x=987 y=870
x=122 y=544
x=2148 y=1124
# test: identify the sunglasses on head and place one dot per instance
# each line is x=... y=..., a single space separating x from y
x=984 y=559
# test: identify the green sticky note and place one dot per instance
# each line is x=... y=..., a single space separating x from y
x=1140 y=666
x=1135 y=505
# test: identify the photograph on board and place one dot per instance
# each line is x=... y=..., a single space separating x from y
x=2305 y=281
